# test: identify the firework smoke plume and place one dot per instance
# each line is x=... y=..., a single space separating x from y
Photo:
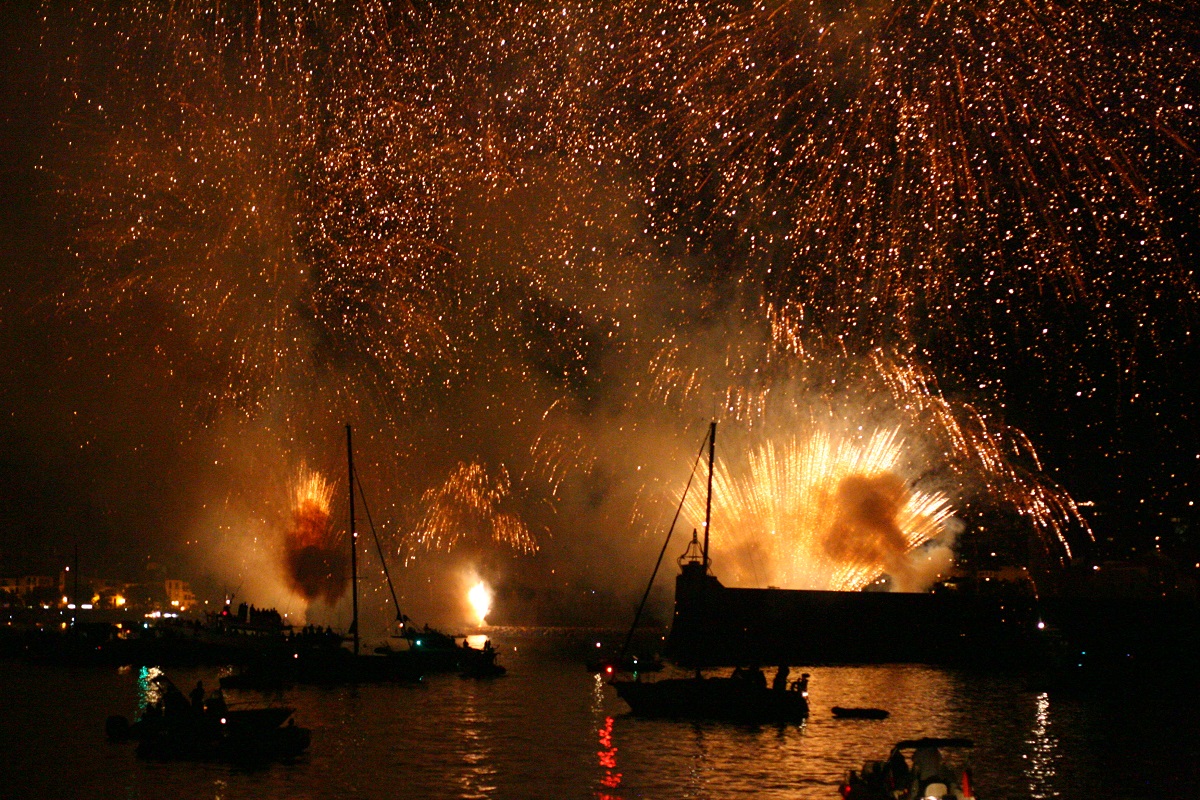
x=314 y=555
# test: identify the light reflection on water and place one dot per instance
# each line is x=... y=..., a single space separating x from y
x=608 y=758
x=1043 y=751
x=149 y=690
x=477 y=776
x=550 y=729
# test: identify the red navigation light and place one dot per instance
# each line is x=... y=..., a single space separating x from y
x=609 y=669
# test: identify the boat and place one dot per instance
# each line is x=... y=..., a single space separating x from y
x=914 y=770
x=731 y=699
x=177 y=729
x=743 y=696
x=323 y=659
x=842 y=712
x=479 y=663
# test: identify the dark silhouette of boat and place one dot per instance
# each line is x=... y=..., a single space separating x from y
x=733 y=699
x=481 y=665
x=741 y=697
x=914 y=770
x=176 y=729
x=842 y=712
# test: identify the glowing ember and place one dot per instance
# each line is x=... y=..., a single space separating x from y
x=480 y=598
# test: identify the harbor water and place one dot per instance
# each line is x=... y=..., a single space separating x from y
x=551 y=729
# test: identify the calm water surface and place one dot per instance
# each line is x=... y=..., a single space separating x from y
x=549 y=729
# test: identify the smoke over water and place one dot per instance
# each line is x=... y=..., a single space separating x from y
x=314 y=554
x=866 y=529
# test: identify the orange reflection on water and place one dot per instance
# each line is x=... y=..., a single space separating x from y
x=608 y=761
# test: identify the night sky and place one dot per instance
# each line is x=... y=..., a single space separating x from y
x=528 y=252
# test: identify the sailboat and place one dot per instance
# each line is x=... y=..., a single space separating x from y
x=428 y=650
x=743 y=696
x=323 y=658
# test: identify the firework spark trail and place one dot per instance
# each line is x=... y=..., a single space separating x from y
x=985 y=451
x=320 y=166
x=467 y=508
x=419 y=200
x=199 y=170
x=896 y=161
x=774 y=375
x=314 y=556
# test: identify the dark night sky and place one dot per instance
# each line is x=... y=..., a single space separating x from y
x=110 y=435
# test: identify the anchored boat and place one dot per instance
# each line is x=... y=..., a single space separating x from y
x=741 y=697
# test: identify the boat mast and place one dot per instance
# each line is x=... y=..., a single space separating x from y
x=353 y=542
x=712 y=445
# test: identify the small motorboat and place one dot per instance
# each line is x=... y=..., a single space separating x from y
x=915 y=770
x=478 y=662
x=735 y=699
x=842 y=712
x=177 y=729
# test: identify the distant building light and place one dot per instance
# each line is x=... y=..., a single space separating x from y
x=87 y=606
x=70 y=605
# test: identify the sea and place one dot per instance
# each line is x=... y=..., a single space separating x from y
x=552 y=729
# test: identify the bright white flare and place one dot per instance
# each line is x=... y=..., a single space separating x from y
x=480 y=598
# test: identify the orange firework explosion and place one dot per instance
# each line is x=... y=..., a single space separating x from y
x=778 y=375
x=822 y=512
x=314 y=554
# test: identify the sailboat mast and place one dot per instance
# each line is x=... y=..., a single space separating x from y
x=353 y=541
x=712 y=445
